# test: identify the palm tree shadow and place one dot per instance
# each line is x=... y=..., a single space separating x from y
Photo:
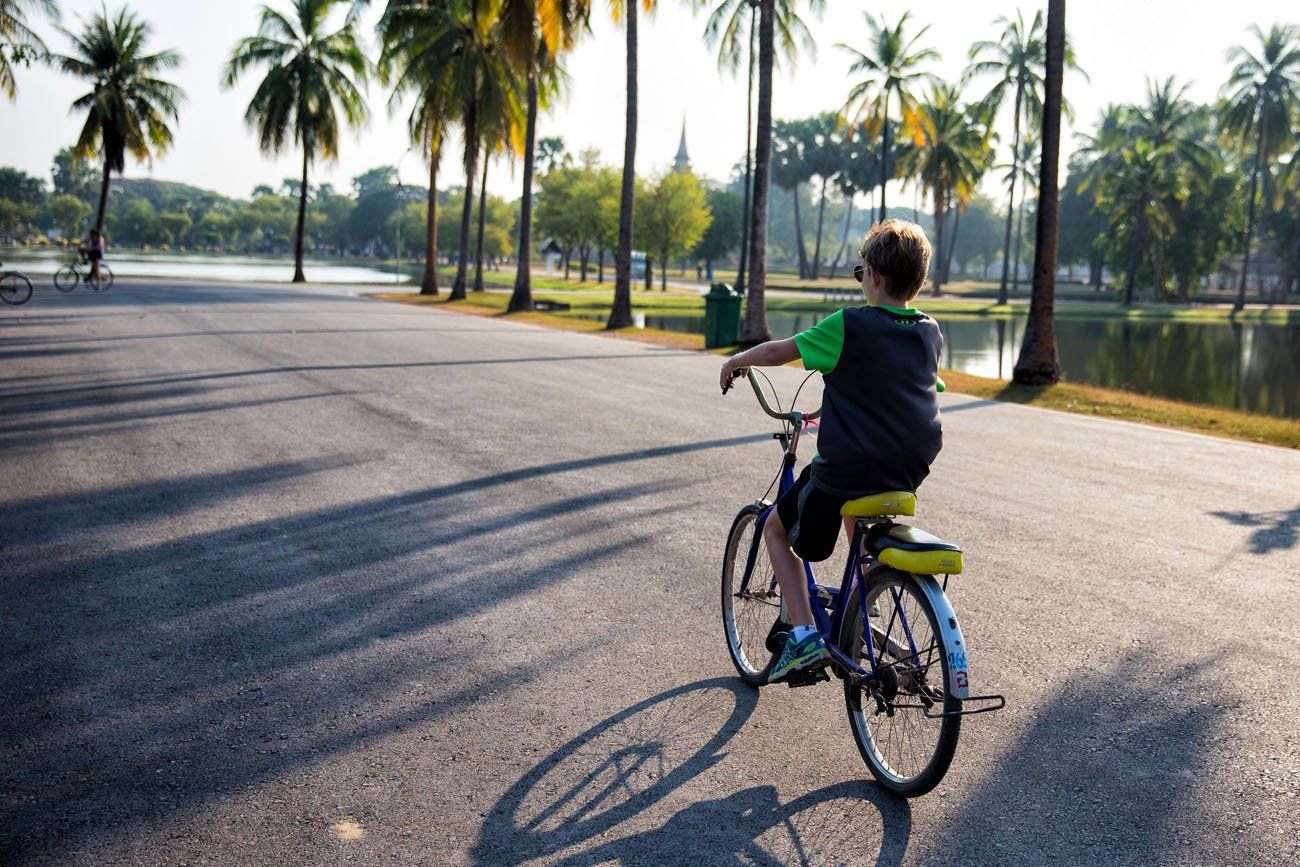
x=1277 y=531
x=632 y=760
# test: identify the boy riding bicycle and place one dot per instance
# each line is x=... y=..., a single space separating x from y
x=880 y=427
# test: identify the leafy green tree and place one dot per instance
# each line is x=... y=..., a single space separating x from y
x=824 y=157
x=674 y=218
x=174 y=227
x=129 y=106
x=1138 y=195
x=725 y=228
x=18 y=186
x=980 y=240
x=312 y=77
x=890 y=67
x=1261 y=96
x=19 y=44
x=68 y=214
x=72 y=176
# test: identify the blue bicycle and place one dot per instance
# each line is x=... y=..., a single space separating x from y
x=906 y=678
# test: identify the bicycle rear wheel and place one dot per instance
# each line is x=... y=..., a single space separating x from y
x=66 y=278
x=905 y=723
x=15 y=288
x=748 y=617
x=105 y=277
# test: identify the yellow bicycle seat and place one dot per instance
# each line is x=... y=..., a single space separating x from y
x=881 y=505
x=912 y=550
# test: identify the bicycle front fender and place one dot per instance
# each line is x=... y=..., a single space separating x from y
x=950 y=632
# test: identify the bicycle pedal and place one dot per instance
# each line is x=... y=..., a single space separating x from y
x=807 y=677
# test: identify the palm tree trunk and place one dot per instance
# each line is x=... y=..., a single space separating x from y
x=298 y=276
x=1038 y=363
x=460 y=284
x=952 y=244
x=937 y=263
x=1240 y=303
x=649 y=274
x=600 y=266
x=817 y=248
x=620 y=314
x=482 y=214
x=1020 y=239
x=583 y=253
x=746 y=216
x=844 y=242
x=884 y=159
x=1011 y=199
x=429 y=285
x=522 y=297
x=1135 y=256
x=754 y=329
x=663 y=274
x=103 y=199
x=798 y=236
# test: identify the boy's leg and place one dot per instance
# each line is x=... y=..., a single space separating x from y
x=789 y=572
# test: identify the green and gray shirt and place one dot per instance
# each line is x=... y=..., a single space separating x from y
x=880 y=428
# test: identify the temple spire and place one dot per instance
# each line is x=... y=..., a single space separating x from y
x=682 y=162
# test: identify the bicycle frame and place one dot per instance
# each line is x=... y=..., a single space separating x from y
x=820 y=596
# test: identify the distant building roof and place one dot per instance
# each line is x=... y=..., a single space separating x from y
x=682 y=162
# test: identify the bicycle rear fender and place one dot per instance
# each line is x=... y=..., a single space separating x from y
x=950 y=631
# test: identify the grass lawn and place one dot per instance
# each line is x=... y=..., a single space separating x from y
x=1067 y=397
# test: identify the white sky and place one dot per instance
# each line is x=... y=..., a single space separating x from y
x=1118 y=42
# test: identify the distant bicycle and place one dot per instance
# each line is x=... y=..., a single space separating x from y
x=15 y=288
x=67 y=277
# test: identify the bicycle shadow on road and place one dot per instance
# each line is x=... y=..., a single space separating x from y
x=639 y=757
x=1276 y=531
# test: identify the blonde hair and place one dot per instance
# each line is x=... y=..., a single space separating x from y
x=900 y=252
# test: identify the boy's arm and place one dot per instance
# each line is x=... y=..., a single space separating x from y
x=770 y=354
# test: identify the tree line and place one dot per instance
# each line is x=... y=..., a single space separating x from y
x=487 y=67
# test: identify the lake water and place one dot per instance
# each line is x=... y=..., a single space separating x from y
x=187 y=266
x=1253 y=367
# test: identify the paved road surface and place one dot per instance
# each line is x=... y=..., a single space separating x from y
x=289 y=576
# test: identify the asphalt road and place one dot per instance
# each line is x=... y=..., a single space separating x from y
x=288 y=577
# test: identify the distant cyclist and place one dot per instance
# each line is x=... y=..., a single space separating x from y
x=93 y=252
x=880 y=427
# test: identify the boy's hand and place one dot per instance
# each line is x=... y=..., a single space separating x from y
x=730 y=370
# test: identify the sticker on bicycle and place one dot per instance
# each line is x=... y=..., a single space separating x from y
x=957 y=660
x=960 y=679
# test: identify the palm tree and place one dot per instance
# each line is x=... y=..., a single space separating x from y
x=1038 y=363
x=1017 y=58
x=535 y=33
x=891 y=66
x=620 y=314
x=1022 y=171
x=727 y=27
x=790 y=168
x=947 y=162
x=1261 y=95
x=413 y=60
x=1138 y=192
x=128 y=107
x=18 y=42
x=488 y=93
x=312 y=75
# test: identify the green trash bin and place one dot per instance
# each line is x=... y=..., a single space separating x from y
x=721 y=316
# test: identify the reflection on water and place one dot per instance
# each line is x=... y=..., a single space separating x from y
x=1253 y=366
x=178 y=266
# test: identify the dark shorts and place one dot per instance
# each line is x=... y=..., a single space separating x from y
x=811 y=518
x=94 y=256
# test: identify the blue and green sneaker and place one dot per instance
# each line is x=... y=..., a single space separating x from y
x=799 y=654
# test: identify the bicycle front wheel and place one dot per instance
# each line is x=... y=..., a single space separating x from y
x=66 y=278
x=751 y=615
x=904 y=720
x=15 y=288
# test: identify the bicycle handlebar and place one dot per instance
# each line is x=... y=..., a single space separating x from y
x=793 y=417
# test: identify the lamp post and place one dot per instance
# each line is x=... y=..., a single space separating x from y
x=397 y=228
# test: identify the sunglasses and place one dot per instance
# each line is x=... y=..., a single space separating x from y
x=858 y=271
